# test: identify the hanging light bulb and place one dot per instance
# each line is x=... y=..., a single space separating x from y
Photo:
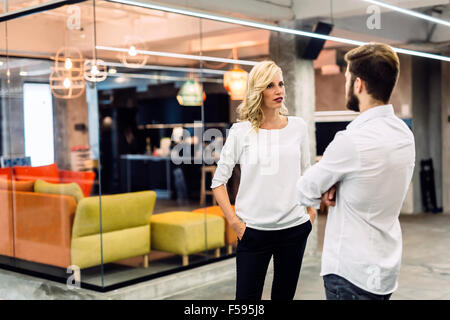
x=235 y=82
x=132 y=58
x=68 y=64
x=132 y=51
x=191 y=93
x=95 y=70
x=67 y=83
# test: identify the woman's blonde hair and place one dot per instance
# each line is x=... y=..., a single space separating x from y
x=259 y=78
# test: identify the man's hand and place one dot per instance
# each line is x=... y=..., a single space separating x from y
x=329 y=197
x=312 y=214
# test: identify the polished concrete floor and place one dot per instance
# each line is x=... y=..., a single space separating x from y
x=424 y=274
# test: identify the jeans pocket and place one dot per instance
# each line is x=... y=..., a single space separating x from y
x=329 y=285
x=331 y=295
x=338 y=288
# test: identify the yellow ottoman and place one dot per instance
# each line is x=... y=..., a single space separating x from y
x=183 y=233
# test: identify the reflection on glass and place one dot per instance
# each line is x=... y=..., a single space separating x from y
x=109 y=175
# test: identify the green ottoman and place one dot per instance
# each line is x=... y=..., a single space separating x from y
x=183 y=233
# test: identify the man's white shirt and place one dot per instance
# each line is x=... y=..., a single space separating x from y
x=373 y=162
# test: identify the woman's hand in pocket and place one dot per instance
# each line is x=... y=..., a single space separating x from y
x=239 y=227
x=312 y=214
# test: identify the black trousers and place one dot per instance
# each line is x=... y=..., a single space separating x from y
x=253 y=255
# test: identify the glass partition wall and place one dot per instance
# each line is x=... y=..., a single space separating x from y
x=112 y=122
x=50 y=194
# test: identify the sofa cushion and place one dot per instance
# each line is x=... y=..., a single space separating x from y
x=117 y=245
x=6 y=173
x=85 y=179
x=27 y=186
x=118 y=212
x=68 y=189
x=47 y=173
x=183 y=232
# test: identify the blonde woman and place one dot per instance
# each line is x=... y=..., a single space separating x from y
x=273 y=152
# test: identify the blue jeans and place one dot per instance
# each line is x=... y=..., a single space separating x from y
x=337 y=288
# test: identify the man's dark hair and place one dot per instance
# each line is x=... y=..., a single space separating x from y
x=378 y=65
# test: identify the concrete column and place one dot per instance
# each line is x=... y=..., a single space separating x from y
x=445 y=122
x=299 y=79
x=426 y=123
x=4 y=151
x=61 y=132
x=12 y=113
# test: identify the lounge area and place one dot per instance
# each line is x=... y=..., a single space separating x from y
x=52 y=220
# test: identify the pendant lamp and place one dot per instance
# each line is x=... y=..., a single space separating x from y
x=95 y=70
x=191 y=93
x=235 y=81
x=66 y=79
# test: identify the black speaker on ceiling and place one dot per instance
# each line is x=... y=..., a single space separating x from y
x=309 y=48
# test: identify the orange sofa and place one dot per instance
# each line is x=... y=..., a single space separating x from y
x=51 y=173
x=42 y=222
x=53 y=229
x=42 y=226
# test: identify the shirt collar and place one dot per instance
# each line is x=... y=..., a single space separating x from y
x=372 y=113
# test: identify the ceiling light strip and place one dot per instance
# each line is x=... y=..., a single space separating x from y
x=181 y=56
x=271 y=27
x=161 y=77
x=409 y=12
x=165 y=68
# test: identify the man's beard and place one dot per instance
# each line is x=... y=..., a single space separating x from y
x=352 y=99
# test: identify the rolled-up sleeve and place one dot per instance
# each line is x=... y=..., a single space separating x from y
x=229 y=156
x=339 y=159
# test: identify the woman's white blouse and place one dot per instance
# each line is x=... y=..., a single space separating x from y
x=271 y=162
